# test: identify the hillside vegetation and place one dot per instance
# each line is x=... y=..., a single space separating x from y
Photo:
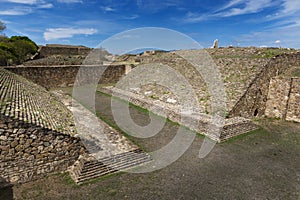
x=16 y=50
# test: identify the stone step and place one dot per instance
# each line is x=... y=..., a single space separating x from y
x=98 y=174
x=117 y=165
x=91 y=169
x=115 y=157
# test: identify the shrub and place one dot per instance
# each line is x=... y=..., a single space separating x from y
x=16 y=50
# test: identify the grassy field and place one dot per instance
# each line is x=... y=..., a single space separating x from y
x=263 y=164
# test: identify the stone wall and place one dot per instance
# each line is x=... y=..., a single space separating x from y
x=278 y=97
x=293 y=110
x=49 y=50
x=232 y=127
x=284 y=99
x=37 y=134
x=27 y=101
x=28 y=152
x=62 y=76
x=253 y=102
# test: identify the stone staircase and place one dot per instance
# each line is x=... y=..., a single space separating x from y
x=88 y=167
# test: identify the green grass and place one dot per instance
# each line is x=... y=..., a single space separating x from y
x=143 y=110
x=131 y=105
x=67 y=179
x=114 y=125
x=101 y=178
x=244 y=135
x=296 y=72
x=154 y=97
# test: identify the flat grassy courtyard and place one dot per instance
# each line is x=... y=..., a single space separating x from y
x=263 y=164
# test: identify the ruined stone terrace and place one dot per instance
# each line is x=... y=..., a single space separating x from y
x=25 y=101
x=38 y=136
x=238 y=67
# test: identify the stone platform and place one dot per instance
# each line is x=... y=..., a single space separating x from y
x=109 y=150
x=232 y=126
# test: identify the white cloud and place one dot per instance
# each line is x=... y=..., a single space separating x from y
x=16 y=11
x=58 y=33
x=130 y=17
x=277 y=42
x=22 y=1
x=28 y=7
x=230 y=4
x=289 y=37
x=69 y=1
x=249 y=7
x=156 y=5
x=233 y=8
x=48 y=5
x=288 y=16
x=291 y=6
x=194 y=17
x=108 y=9
x=289 y=9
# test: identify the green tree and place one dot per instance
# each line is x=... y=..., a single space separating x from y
x=16 y=50
x=23 y=47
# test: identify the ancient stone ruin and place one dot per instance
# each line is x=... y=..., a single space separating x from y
x=37 y=133
x=38 y=136
x=37 y=129
x=284 y=96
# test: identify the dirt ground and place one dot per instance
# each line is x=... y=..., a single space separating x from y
x=263 y=164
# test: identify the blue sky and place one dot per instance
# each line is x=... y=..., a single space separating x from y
x=80 y=22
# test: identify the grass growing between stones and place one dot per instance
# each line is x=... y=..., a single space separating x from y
x=143 y=110
x=67 y=179
x=245 y=135
x=262 y=164
x=101 y=178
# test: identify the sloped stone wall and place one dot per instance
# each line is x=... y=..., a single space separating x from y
x=62 y=76
x=293 y=110
x=28 y=152
x=26 y=101
x=284 y=99
x=278 y=97
x=36 y=131
x=253 y=102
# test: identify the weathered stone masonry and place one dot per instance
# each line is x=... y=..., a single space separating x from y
x=284 y=99
x=232 y=127
x=36 y=131
x=63 y=76
x=38 y=136
x=28 y=152
x=253 y=102
x=293 y=111
x=49 y=50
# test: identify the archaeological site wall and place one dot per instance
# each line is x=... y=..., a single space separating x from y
x=232 y=127
x=37 y=134
x=62 y=76
x=28 y=151
x=49 y=50
x=293 y=109
x=284 y=99
x=253 y=102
